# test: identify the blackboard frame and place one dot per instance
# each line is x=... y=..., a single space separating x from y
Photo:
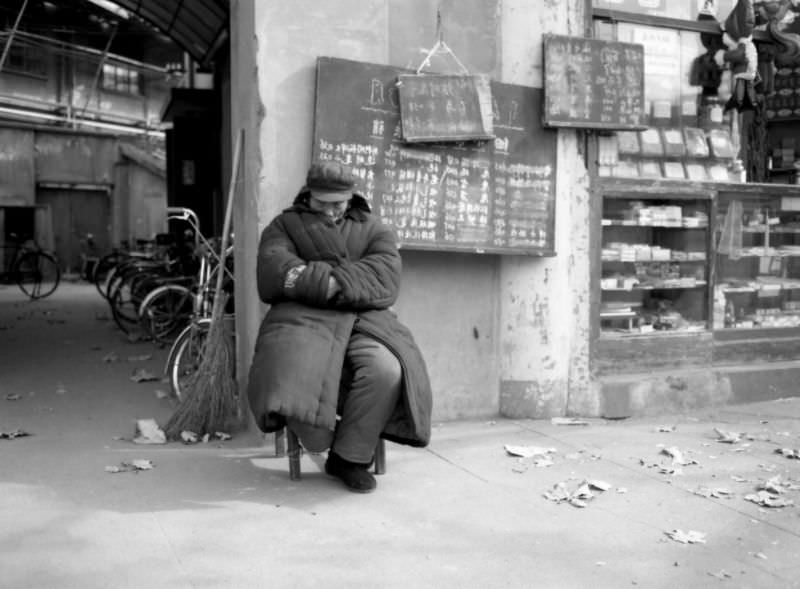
x=489 y=197
x=597 y=72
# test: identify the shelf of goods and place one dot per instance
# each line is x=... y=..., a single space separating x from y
x=654 y=276
x=758 y=283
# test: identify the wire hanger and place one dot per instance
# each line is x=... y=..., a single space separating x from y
x=440 y=47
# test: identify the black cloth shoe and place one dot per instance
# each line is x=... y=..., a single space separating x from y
x=354 y=475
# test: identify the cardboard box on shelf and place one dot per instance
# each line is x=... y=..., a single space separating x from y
x=790 y=203
x=650 y=140
x=695 y=141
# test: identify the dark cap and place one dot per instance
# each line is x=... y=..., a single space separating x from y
x=330 y=176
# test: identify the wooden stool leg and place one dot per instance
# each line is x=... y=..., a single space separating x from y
x=295 y=451
x=380 y=457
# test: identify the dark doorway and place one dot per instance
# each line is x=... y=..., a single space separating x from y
x=77 y=215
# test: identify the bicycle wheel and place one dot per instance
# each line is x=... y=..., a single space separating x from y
x=165 y=311
x=102 y=269
x=184 y=358
x=127 y=298
x=37 y=274
x=187 y=352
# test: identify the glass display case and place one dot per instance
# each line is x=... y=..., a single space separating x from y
x=655 y=265
x=758 y=262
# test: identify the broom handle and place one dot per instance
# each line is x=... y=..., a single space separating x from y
x=226 y=225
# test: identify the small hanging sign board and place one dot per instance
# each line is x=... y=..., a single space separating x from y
x=593 y=84
x=445 y=107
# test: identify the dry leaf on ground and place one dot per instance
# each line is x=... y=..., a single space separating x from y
x=717 y=492
x=722 y=574
x=688 y=537
x=766 y=499
x=778 y=486
x=528 y=451
x=727 y=437
x=678 y=457
x=17 y=433
x=788 y=452
x=131 y=466
x=148 y=432
x=577 y=497
x=142 y=375
x=568 y=421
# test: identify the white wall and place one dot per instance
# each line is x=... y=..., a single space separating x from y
x=481 y=320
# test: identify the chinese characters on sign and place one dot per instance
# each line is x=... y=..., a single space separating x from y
x=490 y=196
x=590 y=83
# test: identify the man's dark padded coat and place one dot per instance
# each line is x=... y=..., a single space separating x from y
x=300 y=350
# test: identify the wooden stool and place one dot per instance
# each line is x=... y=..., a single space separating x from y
x=295 y=451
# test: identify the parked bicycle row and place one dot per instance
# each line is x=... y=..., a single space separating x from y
x=166 y=294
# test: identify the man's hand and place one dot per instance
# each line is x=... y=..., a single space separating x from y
x=333 y=287
x=291 y=277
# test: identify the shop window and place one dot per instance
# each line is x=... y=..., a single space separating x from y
x=690 y=135
x=121 y=79
x=758 y=262
x=723 y=255
x=655 y=271
x=23 y=59
x=696 y=131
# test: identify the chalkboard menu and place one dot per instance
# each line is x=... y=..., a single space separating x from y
x=593 y=84
x=436 y=107
x=494 y=196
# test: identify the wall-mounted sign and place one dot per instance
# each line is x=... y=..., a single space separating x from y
x=440 y=107
x=593 y=84
x=495 y=196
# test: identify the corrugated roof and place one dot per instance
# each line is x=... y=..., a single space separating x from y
x=198 y=26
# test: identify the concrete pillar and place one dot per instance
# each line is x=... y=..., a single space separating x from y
x=501 y=333
x=544 y=304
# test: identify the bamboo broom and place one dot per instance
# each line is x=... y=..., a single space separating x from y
x=210 y=403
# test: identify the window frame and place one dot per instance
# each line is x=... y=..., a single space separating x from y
x=697 y=26
x=117 y=86
x=31 y=57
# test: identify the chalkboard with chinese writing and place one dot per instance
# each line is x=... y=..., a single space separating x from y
x=494 y=196
x=593 y=84
x=439 y=107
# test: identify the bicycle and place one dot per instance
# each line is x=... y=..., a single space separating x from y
x=167 y=307
x=105 y=265
x=186 y=351
x=173 y=264
x=135 y=279
x=33 y=269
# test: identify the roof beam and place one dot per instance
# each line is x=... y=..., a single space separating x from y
x=11 y=35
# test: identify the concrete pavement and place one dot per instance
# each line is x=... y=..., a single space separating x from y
x=460 y=513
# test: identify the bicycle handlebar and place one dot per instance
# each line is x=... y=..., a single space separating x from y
x=189 y=216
